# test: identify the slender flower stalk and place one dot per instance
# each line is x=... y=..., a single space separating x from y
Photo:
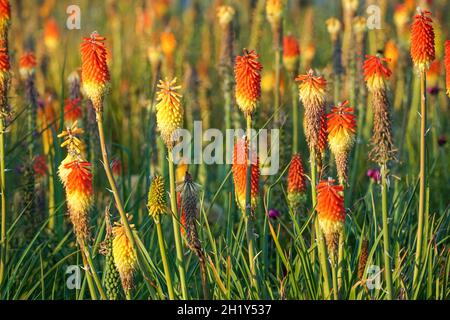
x=95 y=80
x=422 y=54
x=334 y=29
x=376 y=73
x=312 y=94
x=291 y=55
x=169 y=118
x=157 y=206
x=247 y=71
x=5 y=16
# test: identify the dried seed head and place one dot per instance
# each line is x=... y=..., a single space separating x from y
x=169 y=113
x=363 y=258
x=124 y=256
x=239 y=169
x=383 y=148
x=94 y=69
x=157 y=198
x=422 y=41
x=247 y=71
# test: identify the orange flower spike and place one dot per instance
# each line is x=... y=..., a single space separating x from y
x=375 y=72
x=239 y=169
x=247 y=71
x=341 y=128
x=330 y=207
x=291 y=53
x=296 y=186
x=72 y=110
x=5 y=15
x=94 y=68
x=51 y=34
x=422 y=41
x=447 y=66
x=27 y=64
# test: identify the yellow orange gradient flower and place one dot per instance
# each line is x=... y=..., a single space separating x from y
x=341 y=128
x=296 y=185
x=311 y=88
x=169 y=113
x=94 y=69
x=331 y=211
x=274 y=10
x=375 y=72
x=27 y=64
x=51 y=34
x=422 y=41
x=5 y=15
x=239 y=168
x=247 y=71
x=124 y=255
x=291 y=53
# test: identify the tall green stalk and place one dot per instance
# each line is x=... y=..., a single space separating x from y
x=386 y=248
x=162 y=250
x=295 y=126
x=422 y=176
x=3 y=239
x=176 y=228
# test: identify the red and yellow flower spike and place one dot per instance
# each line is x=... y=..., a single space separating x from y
x=27 y=64
x=94 y=69
x=447 y=66
x=291 y=53
x=296 y=185
x=274 y=11
x=311 y=88
x=341 y=136
x=51 y=34
x=72 y=110
x=239 y=169
x=4 y=80
x=422 y=41
x=375 y=72
x=169 y=113
x=79 y=195
x=247 y=71
x=331 y=211
x=5 y=18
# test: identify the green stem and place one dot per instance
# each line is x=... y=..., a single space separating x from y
x=277 y=85
x=334 y=276
x=422 y=183
x=89 y=277
x=94 y=273
x=384 y=208
x=3 y=239
x=162 y=250
x=176 y=226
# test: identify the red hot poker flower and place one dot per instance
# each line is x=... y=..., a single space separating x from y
x=375 y=72
x=247 y=71
x=422 y=41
